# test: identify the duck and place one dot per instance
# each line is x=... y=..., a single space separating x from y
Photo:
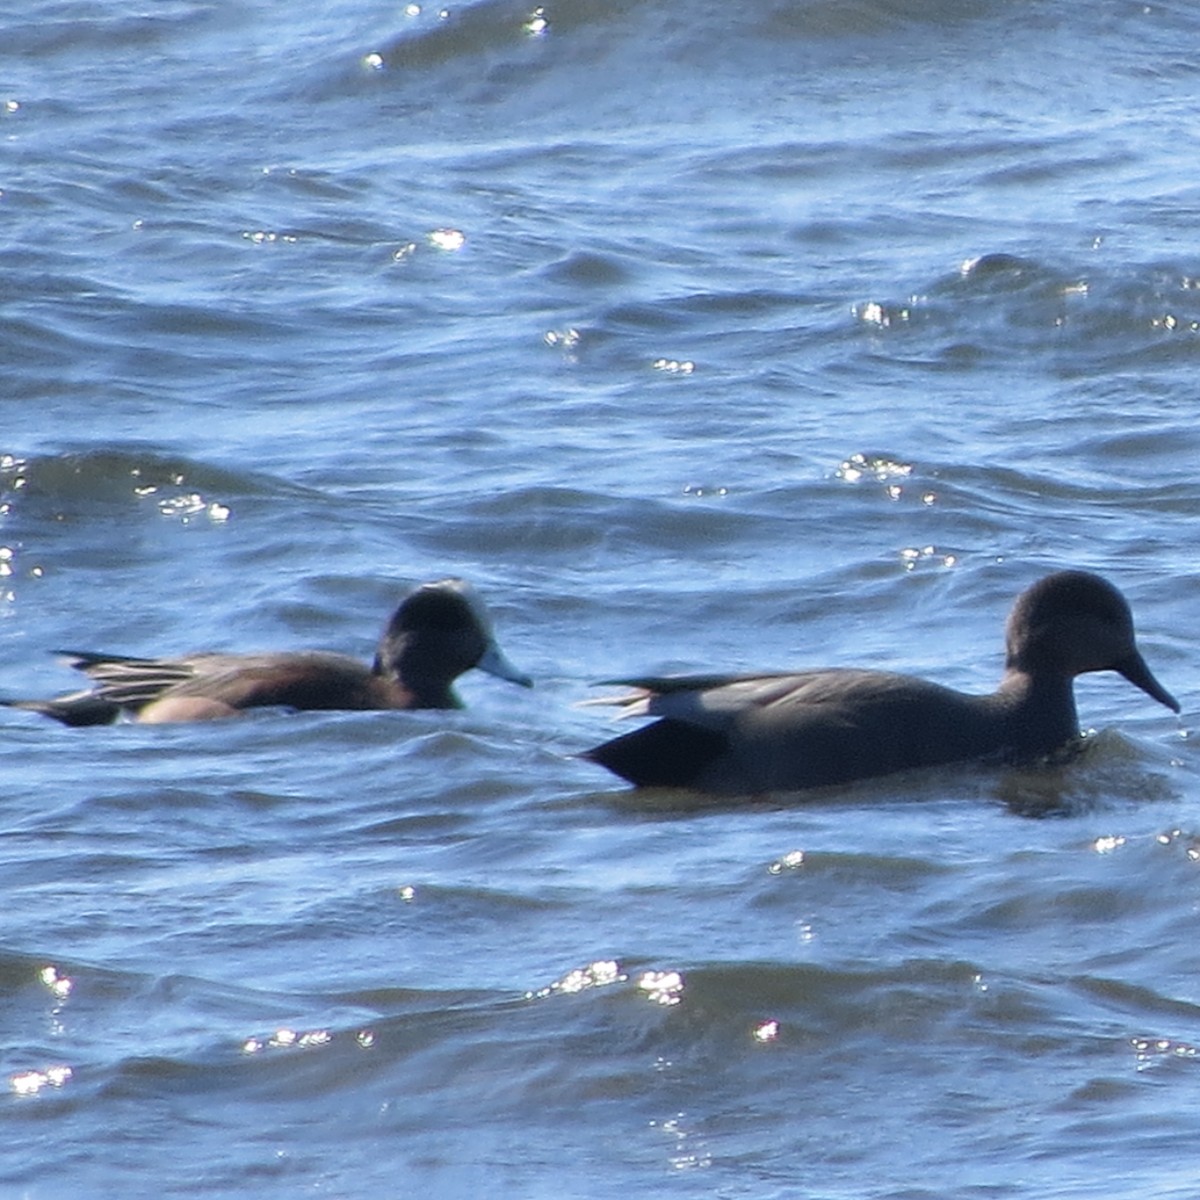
x=793 y=731
x=440 y=630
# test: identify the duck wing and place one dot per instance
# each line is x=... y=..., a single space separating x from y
x=127 y=681
x=124 y=684
x=715 y=702
x=306 y=680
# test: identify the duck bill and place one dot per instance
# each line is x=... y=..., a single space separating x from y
x=494 y=663
x=1135 y=670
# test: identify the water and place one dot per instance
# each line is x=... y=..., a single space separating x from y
x=697 y=337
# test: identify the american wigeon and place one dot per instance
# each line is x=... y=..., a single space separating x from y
x=781 y=732
x=439 y=631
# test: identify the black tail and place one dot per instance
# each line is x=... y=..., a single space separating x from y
x=81 y=708
x=668 y=753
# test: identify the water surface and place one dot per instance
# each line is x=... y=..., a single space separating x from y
x=699 y=338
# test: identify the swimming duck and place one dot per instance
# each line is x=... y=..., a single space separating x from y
x=439 y=631
x=788 y=731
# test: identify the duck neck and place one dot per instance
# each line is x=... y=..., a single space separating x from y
x=408 y=674
x=1040 y=708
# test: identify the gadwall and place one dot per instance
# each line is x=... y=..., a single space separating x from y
x=439 y=631
x=782 y=732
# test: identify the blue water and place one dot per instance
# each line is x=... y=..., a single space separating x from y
x=698 y=337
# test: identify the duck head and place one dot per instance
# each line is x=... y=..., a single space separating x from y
x=1073 y=622
x=440 y=630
